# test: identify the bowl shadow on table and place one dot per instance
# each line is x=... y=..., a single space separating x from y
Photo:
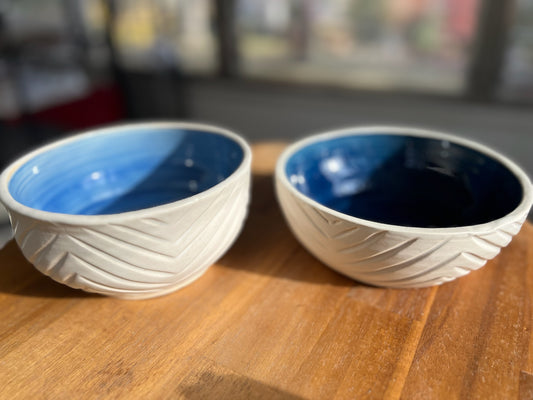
x=267 y=246
x=211 y=385
x=18 y=277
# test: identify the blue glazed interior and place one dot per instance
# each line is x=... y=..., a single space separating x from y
x=125 y=170
x=407 y=181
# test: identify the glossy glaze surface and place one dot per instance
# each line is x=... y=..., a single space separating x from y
x=401 y=207
x=125 y=171
x=403 y=180
x=132 y=211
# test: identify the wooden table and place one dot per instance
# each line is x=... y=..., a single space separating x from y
x=269 y=321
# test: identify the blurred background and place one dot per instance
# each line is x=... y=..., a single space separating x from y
x=271 y=70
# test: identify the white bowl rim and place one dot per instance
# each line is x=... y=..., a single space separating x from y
x=77 y=219
x=518 y=172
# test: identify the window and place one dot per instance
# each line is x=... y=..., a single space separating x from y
x=386 y=44
x=430 y=46
x=159 y=34
x=517 y=82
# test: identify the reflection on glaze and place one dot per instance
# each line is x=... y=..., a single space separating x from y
x=401 y=180
x=125 y=171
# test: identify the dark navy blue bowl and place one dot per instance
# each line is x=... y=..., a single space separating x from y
x=125 y=168
x=406 y=179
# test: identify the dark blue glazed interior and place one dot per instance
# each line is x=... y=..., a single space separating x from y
x=125 y=170
x=407 y=181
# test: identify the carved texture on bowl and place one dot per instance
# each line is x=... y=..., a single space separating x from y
x=391 y=259
x=138 y=258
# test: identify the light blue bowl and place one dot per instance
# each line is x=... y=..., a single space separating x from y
x=126 y=169
x=133 y=211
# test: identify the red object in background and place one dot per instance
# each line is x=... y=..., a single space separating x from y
x=462 y=18
x=101 y=106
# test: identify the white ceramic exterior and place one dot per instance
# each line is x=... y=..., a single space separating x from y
x=138 y=254
x=396 y=256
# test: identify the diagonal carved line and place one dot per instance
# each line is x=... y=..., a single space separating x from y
x=423 y=273
x=505 y=236
x=322 y=217
x=157 y=253
x=512 y=229
x=434 y=268
x=154 y=221
x=212 y=259
x=326 y=219
x=191 y=267
x=472 y=257
x=437 y=280
x=229 y=198
x=522 y=219
x=108 y=288
x=405 y=263
x=346 y=232
x=475 y=258
x=306 y=239
x=16 y=224
x=293 y=206
x=234 y=228
x=202 y=231
x=70 y=279
x=23 y=235
x=362 y=243
x=463 y=270
x=93 y=267
x=138 y=231
x=315 y=225
x=386 y=253
x=44 y=246
x=237 y=218
x=292 y=209
x=165 y=240
x=55 y=266
x=299 y=232
x=165 y=224
x=107 y=236
x=125 y=264
x=432 y=281
x=485 y=244
x=226 y=216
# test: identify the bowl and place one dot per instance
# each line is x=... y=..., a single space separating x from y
x=401 y=207
x=131 y=211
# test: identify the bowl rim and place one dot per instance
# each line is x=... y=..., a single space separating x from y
x=520 y=211
x=78 y=219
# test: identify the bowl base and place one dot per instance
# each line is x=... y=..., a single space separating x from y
x=159 y=293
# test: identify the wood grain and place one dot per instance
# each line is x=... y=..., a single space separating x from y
x=269 y=321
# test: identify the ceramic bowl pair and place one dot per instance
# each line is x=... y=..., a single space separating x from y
x=138 y=211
